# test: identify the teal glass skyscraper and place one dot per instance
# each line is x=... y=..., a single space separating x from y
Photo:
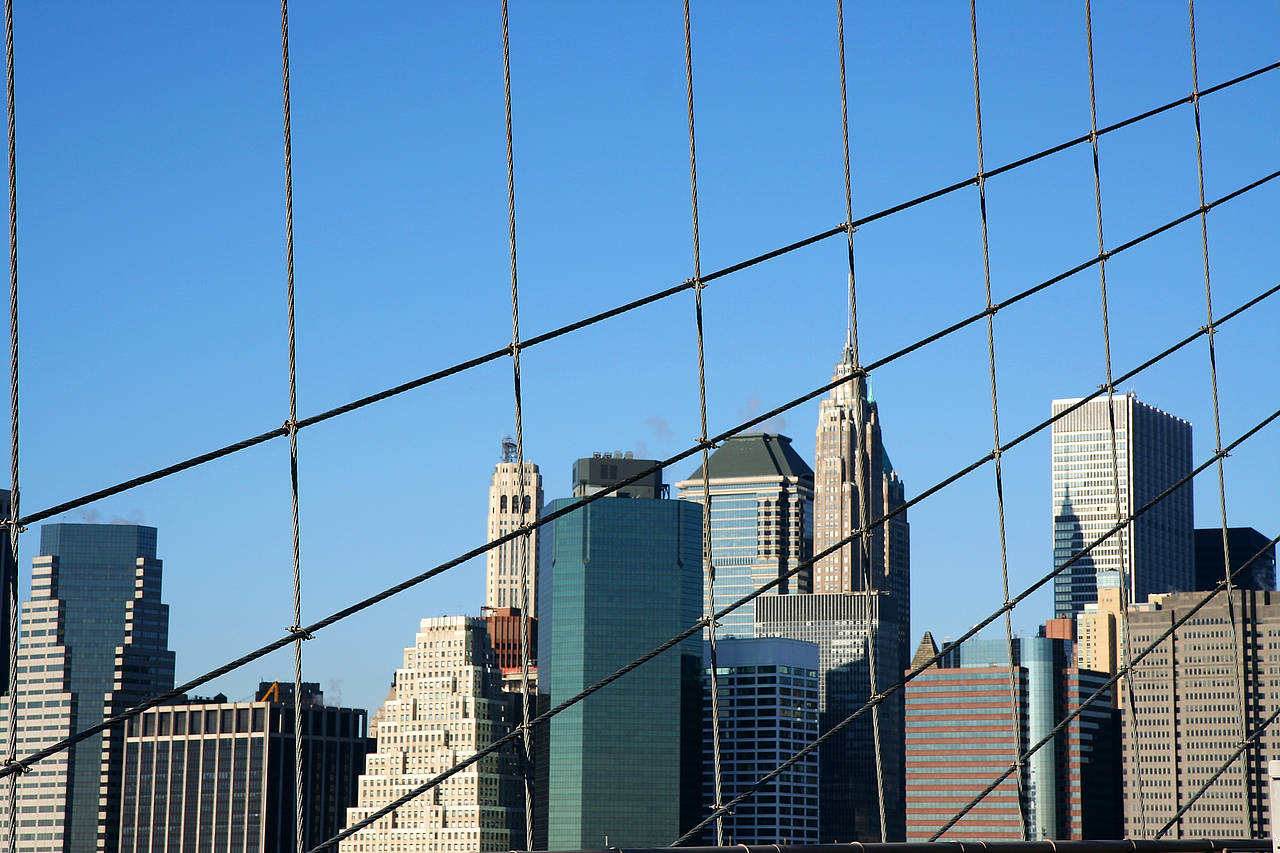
x=619 y=577
x=761 y=520
x=94 y=641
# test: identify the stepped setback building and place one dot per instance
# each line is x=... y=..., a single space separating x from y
x=445 y=703
x=94 y=641
x=761 y=520
x=1155 y=553
x=840 y=507
x=514 y=499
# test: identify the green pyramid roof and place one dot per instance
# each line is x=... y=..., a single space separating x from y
x=756 y=454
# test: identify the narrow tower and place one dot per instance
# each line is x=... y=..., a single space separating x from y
x=513 y=500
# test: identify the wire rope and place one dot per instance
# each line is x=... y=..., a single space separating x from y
x=14 y=528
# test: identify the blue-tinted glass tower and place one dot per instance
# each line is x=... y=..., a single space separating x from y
x=761 y=520
x=94 y=641
x=768 y=712
x=619 y=577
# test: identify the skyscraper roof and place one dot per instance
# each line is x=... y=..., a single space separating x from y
x=756 y=454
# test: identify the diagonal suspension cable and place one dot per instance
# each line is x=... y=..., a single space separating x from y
x=1128 y=586
x=1127 y=668
x=902 y=352
x=295 y=628
x=917 y=670
x=460 y=367
x=861 y=442
x=709 y=568
x=11 y=585
x=1015 y=726
x=522 y=544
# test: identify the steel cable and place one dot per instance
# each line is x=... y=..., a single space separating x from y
x=299 y=800
x=522 y=543
x=708 y=563
x=1237 y=664
x=1127 y=668
x=601 y=316
x=11 y=585
x=1127 y=587
x=1015 y=726
x=415 y=580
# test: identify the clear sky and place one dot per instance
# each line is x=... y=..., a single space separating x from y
x=153 y=278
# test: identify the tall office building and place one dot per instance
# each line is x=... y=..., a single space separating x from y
x=1155 y=553
x=1244 y=543
x=1188 y=716
x=94 y=642
x=961 y=736
x=768 y=712
x=513 y=499
x=207 y=774
x=838 y=505
x=846 y=627
x=621 y=576
x=445 y=704
x=761 y=520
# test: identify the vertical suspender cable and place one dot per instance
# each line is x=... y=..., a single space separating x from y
x=522 y=547
x=1014 y=715
x=11 y=752
x=299 y=801
x=861 y=475
x=1239 y=644
x=708 y=565
x=1127 y=587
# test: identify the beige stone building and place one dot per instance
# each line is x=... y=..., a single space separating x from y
x=444 y=705
x=512 y=503
x=1188 y=716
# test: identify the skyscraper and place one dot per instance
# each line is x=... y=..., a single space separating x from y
x=761 y=520
x=94 y=641
x=512 y=503
x=445 y=704
x=768 y=712
x=1244 y=543
x=838 y=504
x=961 y=733
x=1186 y=692
x=846 y=628
x=207 y=774
x=622 y=575
x=1153 y=451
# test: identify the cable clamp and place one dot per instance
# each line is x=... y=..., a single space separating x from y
x=300 y=633
x=877 y=699
x=11 y=524
x=1109 y=387
x=22 y=766
x=722 y=808
x=289 y=427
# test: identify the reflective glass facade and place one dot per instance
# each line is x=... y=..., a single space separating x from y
x=619 y=577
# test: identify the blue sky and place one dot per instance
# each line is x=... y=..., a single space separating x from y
x=153 y=282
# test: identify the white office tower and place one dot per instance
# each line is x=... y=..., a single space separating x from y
x=512 y=503
x=1156 y=553
x=444 y=705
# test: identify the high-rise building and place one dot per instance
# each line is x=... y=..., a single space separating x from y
x=839 y=507
x=1244 y=543
x=1186 y=693
x=847 y=627
x=768 y=712
x=1155 y=553
x=761 y=520
x=601 y=470
x=94 y=642
x=207 y=774
x=621 y=576
x=515 y=498
x=961 y=730
x=444 y=705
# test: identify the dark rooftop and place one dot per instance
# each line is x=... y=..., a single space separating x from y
x=756 y=454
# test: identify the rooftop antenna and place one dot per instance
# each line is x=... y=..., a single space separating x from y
x=508 y=449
